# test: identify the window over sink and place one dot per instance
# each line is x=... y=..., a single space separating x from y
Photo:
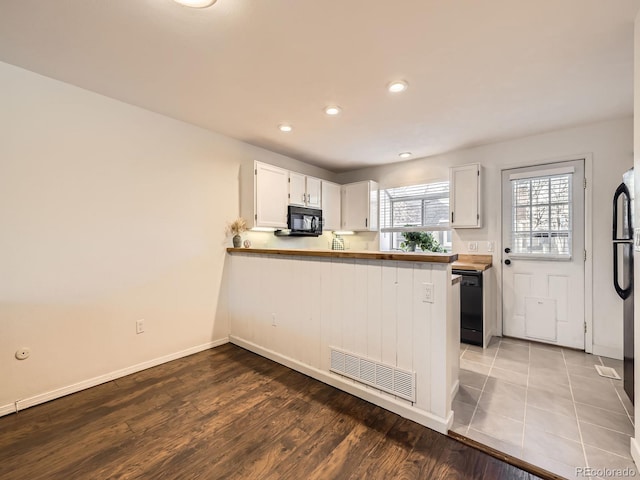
x=415 y=208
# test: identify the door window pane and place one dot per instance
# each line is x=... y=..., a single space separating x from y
x=541 y=215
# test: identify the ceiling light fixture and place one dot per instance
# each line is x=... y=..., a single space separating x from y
x=404 y=154
x=332 y=110
x=398 y=86
x=285 y=127
x=196 y=3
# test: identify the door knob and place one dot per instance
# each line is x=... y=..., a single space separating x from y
x=507 y=262
x=507 y=250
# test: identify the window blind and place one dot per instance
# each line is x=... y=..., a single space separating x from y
x=423 y=207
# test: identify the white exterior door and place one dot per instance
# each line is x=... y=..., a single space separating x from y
x=543 y=253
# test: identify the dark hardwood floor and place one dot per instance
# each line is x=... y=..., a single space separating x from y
x=227 y=413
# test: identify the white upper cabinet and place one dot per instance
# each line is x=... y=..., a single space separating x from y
x=360 y=206
x=465 y=196
x=271 y=196
x=331 y=202
x=297 y=189
x=314 y=192
x=304 y=191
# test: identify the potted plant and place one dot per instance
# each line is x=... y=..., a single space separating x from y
x=428 y=243
x=425 y=240
x=411 y=240
x=235 y=228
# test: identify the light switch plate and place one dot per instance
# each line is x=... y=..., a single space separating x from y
x=490 y=247
x=473 y=246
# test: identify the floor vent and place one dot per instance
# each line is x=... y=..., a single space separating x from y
x=401 y=383
x=607 y=372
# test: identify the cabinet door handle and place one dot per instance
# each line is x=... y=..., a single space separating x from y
x=366 y=223
x=451 y=217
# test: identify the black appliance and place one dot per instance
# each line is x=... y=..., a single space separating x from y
x=470 y=306
x=623 y=269
x=302 y=222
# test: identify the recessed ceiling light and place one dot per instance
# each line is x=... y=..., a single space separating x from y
x=404 y=154
x=196 y=3
x=398 y=86
x=285 y=127
x=332 y=110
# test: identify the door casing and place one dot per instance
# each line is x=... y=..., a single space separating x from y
x=588 y=240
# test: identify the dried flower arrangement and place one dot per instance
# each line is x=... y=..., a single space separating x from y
x=236 y=227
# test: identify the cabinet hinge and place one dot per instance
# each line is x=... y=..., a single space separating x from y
x=585 y=327
x=584 y=183
x=585 y=255
x=478 y=172
x=255 y=216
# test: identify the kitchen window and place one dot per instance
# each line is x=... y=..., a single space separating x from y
x=414 y=208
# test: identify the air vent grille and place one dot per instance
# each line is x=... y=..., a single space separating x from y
x=337 y=361
x=367 y=372
x=379 y=375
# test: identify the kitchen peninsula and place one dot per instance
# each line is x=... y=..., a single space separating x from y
x=383 y=326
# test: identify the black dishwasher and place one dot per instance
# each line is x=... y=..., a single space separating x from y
x=470 y=306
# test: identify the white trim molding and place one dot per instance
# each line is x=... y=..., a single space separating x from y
x=635 y=451
x=92 y=382
x=405 y=410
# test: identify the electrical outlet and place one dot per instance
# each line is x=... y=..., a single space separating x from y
x=490 y=247
x=140 y=326
x=473 y=246
x=23 y=353
x=273 y=319
x=427 y=292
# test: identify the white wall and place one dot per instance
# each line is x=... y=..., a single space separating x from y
x=610 y=144
x=109 y=214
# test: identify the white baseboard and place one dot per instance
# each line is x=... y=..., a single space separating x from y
x=7 y=409
x=455 y=388
x=610 y=352
x=92 y=382
x=635 y=451
x=405 y=410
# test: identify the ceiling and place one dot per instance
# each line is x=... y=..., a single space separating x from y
x=478 y=71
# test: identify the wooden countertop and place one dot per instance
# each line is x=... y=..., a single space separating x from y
x=361 y=254
x=472 y=262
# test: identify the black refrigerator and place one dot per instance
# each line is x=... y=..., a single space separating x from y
x=623 y=268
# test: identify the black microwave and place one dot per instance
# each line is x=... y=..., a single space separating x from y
x=302 y=221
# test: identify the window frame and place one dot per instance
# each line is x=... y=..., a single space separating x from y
x=549 y=233
x=442 y=231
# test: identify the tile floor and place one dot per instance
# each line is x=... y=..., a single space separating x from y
x=546 y=405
